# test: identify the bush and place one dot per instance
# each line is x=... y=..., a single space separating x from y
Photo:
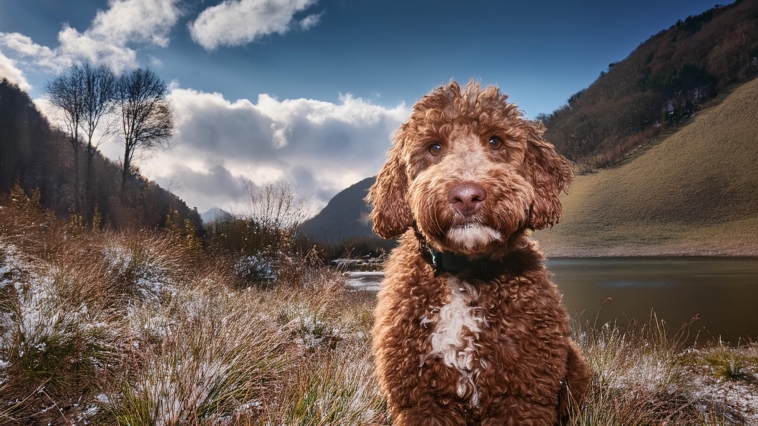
x=264 y=239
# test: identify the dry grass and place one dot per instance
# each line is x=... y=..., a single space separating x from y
x=651 y=374
x=141 y=328
x=691 y=192
x=635 y=380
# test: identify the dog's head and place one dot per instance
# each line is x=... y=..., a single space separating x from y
x=470 y=171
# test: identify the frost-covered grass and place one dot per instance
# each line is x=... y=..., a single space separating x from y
x=644 y=374
x=335 y=387
x=142 y=329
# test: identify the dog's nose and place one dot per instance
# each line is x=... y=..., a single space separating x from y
x=467 y=198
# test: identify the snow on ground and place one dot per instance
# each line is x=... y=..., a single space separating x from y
x=735 y=396
x=732 y=395
x=12 y=267
x=152 y=279
x=43 y=314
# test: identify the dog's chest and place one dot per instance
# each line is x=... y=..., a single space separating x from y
x=456 y=327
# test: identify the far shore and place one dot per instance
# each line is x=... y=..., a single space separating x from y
x=551 y=251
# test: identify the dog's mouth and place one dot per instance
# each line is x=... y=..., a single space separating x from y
x=472 y=235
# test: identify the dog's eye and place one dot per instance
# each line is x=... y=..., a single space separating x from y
x=496 y=143
x=435 y=149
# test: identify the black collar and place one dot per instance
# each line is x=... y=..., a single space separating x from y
x=449 y=262
x=482 y=268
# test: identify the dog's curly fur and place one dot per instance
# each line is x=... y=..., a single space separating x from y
x=490 y=344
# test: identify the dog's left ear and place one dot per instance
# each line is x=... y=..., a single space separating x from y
x=549 y=172
x=391 y=214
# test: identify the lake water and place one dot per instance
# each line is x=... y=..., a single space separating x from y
x=722 y=291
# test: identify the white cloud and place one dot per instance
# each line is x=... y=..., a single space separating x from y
x=221 y=146
x=310 y=21
x=141 y=21
x=320 y=147
x=14 y=75
x=155 y=62
x=50 y=112
x=238 y=22
x=107 y=41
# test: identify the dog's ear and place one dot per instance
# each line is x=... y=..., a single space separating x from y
x=391 y=214
x=549 y=173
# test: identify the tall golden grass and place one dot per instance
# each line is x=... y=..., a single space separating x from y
x=146 y=328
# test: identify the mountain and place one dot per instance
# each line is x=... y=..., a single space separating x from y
x=661 y=83
x=215 y=214
x=344 y=217
x=694 y=191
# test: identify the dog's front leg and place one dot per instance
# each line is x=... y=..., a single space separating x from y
x=576 y=382
x=429 y=414
x=424 y=396
x=417 y=393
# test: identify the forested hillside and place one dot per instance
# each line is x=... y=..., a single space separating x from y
x=344 y=217
x=661 y=83
x=39 y=157
x=691 y=192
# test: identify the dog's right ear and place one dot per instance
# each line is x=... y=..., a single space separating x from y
x=391 y=214
x=549 y=172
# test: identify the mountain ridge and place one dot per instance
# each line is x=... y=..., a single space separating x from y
x=661 y=83
x=215 y=214
x=344 y=217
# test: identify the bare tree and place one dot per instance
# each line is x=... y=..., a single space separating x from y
x=276 y=206
x=99 y=94
x=66 y=91
x=145 y=115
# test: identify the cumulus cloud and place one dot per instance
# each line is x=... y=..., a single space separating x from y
x=319 y=147
x=107 y=41
x=214 y=184
x=8 y=71
x=238 y=22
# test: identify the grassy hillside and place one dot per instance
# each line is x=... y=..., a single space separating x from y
x=693 y=191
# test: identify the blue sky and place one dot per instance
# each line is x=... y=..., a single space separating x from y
x=310 y=91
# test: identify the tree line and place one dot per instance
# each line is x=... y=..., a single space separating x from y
x=663 y=82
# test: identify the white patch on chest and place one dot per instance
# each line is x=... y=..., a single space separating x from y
x=456 y=328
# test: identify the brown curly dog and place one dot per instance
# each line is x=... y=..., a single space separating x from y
x=469 y=329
